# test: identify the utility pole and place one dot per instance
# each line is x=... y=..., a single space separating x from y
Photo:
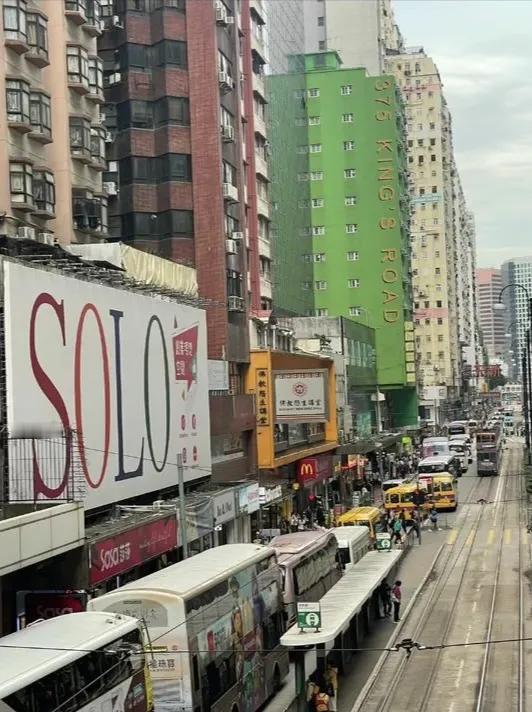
x=182 y=506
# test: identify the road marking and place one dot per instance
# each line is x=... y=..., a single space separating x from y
x=507 y=536
x=451 y=707
x=475 y=604
x=452 y=537
x=469 y=629
x=491 y=536
x=460 y=672
x=471 y=537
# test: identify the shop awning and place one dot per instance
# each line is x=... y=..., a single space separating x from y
x=361 y=447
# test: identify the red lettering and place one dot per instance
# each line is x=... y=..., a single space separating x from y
x=106 y=395
x=52 y=394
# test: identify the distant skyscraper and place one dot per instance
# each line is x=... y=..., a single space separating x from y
x=518 y=271
x=491 y=321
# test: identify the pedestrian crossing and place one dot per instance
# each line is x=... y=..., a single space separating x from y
x=489 y=537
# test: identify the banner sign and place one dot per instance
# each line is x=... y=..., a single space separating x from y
x=123 y=374
x=301 y=396
x=312 y=470
x=117 y=554
x=224 y=506
x=49 y=604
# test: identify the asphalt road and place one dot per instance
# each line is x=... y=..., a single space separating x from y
x=480 y=590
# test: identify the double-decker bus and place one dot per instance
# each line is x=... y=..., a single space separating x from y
x=82 y=662
x=489 y=451
x=309 y=562
x=214 y=623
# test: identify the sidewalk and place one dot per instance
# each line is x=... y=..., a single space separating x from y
x=412 y=570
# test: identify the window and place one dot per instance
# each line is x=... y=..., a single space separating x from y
x=170 y=52
x=346 y=89
x=96 y=76
x=38 y=38
x=317 y=202
x=347 y=118
x=433 y=158
x=316 y=175
x=314 y=120
x=351 y=228
x=80 y=137
x=172 y=110
x=322 y=45
x=302 y=177
x=318 y=230
x=435 y=221
x=78 y=65
x=353 y=283
x=174 y=167
x=321 y=21
x=93 y=13
x=349 y=145
x=315 y=148
x=303 y=203
x=98 y=144
x=432 y=141
x=321 y=284
x=40 y=114
x=21 y=183
x=350 y=173
x=434 y=188
x=313 y=93
x=18 y=101
x=350 y=200
x=321 y=312
x=300 y=122
x=355 y=311
x=15 y=20
x=159 y=225
x=302 y=148
x=44 y=191
x=437 y=270
x=432 y=126
x=440 y=337
x=352 y=256
x=439 y=303
x=306 y=285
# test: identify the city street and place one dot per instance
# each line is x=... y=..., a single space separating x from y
x=477 y=591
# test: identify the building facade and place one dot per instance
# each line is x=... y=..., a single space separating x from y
x=492 y=322
x=350 y=131
x=53 y=152
x=362 y=32
x=516 y=315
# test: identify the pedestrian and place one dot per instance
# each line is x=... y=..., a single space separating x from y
x=321 y=698
x=312 y=691
x=385 y=592
x=398 y=531
x=416 y=523
x=396 y=600
x=331 y=679
x=434 y=519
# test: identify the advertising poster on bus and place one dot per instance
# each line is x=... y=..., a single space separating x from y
x=122 y=377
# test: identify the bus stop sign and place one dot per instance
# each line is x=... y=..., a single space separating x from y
x=383 y=540
x=308 y=616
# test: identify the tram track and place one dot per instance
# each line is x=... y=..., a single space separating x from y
x=462 y=578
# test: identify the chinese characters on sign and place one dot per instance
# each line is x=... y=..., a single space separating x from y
x=263 y=397
x=300 y=395
x=487 y=371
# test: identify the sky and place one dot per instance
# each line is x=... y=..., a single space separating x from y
x=483 y=49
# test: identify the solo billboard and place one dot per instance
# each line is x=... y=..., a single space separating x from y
x=124 y=373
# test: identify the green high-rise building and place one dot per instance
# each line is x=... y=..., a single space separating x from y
x=350 y=128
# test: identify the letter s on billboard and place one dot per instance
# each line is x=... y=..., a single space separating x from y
x=126 y=373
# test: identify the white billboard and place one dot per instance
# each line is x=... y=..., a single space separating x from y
x=125 y=373
x=300 y=395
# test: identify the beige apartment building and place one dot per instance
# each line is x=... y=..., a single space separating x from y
x=435 y=248
x=52 y=142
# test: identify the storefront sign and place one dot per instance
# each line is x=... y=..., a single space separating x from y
x=313 y=470
x=270 y=494
x=200 y=518
x=224 y=506
x=248 y=498
x=118 y=554
x=262 y=380
x=48 y=604
x=301 y=396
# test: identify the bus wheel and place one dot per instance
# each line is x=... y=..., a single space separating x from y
x=234 y=708
x=276 y=680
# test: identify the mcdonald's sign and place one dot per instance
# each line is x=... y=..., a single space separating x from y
x=314 y=469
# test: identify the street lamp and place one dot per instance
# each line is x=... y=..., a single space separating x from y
x=525 y=361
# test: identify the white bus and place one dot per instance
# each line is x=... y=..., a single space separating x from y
x=82 y=662
x=353 y=544
x=214 y=622
x=309 y=561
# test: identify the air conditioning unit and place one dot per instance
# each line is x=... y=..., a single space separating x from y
x=112 y=166
x=108 y=137
x=110 y=187
x=230 y=20
x=230 y=192
x=235 y=304
x=47 y=238
x=225 y=80
x=114 y=78
x=231 y=247
x=221 y=13
x=237 y=236
x=26 y=233
x=228 y=133
x=116 y=22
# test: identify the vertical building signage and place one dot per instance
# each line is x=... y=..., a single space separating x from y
x=262 y=381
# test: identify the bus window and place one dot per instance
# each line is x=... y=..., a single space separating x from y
x=395 y=498
x=446 y=487
x=195 y=672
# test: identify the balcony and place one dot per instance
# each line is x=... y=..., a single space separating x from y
x=230 y=192
x=265 y=248
x=260 y=164
x=231 y=414
x=76 y=10
x=265 y=287
x=263 y=207
x=259 y=124
x=257 y=44
x=258 y=85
